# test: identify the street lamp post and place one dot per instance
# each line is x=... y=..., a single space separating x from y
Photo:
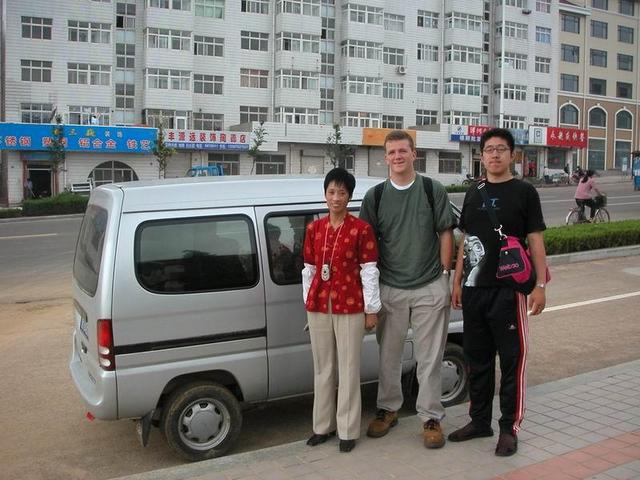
x=502 y=46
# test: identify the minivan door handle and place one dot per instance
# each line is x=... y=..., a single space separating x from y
x=83 y=347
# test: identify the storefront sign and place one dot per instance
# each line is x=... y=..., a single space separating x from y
x=558 y=137
x=78 y=138
x=374 y=137
x=472 y=134
x=206 y=140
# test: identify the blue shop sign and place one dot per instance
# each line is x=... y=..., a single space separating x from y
x=78 y=138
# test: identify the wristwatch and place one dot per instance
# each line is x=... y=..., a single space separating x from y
x=541 y=285
x=445 y=271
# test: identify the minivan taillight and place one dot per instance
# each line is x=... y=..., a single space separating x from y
x=105 y=345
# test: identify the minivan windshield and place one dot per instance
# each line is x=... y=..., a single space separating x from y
x=86 y=264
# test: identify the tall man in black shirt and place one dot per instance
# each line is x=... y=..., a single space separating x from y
x=495 y=315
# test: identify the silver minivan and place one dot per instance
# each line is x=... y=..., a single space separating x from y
x=188 y=305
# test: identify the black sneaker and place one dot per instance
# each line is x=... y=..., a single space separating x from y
x=469 y=432
x=318 y=438
x=507 y=444
x=347 y=445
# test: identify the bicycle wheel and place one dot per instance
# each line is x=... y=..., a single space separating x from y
x=573 y=217
x=601 y=216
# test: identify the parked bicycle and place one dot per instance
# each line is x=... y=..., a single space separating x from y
x=471 y=179
x=576 y=214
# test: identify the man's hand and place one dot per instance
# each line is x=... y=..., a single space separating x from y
x=537 y=301
x=370 y=321
x=456 y=296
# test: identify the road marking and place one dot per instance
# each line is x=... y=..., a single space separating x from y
x=30 y=236
x=591 y=302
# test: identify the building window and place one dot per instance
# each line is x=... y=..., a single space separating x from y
x=599 y=29
x=598 y=58
x=173 y=39
x=463 y=54
x=569 y=115
x=159 y=3
x=625 y=62
x=299 y=7
x=125 y=55
x=296 y=115
x=543 y=6
x=622 y=154
x=125 y=96
x=327 y=64
x=111 y=172
x=597 y=118
x=543 y=35
x=393 y=56
x=361 y=49
x=250 y=114
x=600 y=4
x=254 y=41
x=36 y=28
x=625 y=34
x=427 y=85
x=126 y=16
x=88 y=74
x=456 y=117
x=394 y=23
x=513 y=30
x=170 y=118
x=462 y=86
x=426 y=117
x=596 y=155
x=428 y=19
x=463 y=21
x=208 y=121
x=624 y=90
x=597 y=86
x=393 y=90
x=230 y=162
x=420 y=163
x=541 y=95
x=254 y=78
x=270 y=165
x=36 y=70
x=568 y=83
x=626 y=7
x=207 y=84
x=255 y=6
x=168 y=79
x=36 y=112
x=208 y=46
x=89 y=115
x=540 y=121
x=362 y=14
x=543 y=64
x=624 y=120
x=392 y=121
x=174 y=4
x=93 y=32
x=449 y=162
x=570 y=53
x=512 y=91
x=517 y=61
x=570 y=23
x=326 y=99
x=427 y=53
x=209 y=8
x=297 y=42
x=360 y=119
x=514 y=121
x=296 y=79
x=362 y=85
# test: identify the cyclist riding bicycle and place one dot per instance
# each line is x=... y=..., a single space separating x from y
x=583 y=194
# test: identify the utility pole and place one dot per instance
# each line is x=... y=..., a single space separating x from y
x=4 y=167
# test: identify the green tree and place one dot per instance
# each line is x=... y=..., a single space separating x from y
x=337 y=151
x=57 y=151
x=259 y=134
x=161 y=151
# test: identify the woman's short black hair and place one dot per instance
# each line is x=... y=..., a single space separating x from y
x=500 y=133
x=587 y=175
x=340 y=177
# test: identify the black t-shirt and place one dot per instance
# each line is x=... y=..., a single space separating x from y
x=517 y=206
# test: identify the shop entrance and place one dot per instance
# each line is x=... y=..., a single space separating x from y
x=41 y=181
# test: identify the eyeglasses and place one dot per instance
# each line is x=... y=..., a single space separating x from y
x=500 y=149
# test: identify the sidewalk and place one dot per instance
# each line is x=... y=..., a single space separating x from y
x=582 y=427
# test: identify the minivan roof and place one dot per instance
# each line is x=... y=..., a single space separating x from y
x=229 y=191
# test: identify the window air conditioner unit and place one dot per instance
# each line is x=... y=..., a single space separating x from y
x=526 y=11
x=401 y=69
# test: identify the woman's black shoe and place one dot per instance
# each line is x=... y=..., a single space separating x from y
x=347 y=445
x=317 y=439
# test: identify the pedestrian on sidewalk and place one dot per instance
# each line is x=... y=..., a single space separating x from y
x=342 y=298
x=495 y=315
x=413 y=221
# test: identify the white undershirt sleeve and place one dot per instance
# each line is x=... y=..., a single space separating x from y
x=308 y=272
x=369 y=275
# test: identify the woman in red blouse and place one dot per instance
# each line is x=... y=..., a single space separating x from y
x=342 y=298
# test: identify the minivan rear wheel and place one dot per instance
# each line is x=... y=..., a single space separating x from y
x=201 y=420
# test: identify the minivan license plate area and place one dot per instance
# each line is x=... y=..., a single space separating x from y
x=83 y=324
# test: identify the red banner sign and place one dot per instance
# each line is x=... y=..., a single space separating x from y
x=566 y=137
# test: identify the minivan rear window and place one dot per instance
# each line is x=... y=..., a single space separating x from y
x=196 y=254
x=86 y=264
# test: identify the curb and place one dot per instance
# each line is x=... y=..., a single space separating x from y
x=42 y=217
x=588 y=255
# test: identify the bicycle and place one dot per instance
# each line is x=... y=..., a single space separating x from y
x=601 y=214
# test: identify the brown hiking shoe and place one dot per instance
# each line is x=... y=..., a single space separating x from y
x=432 y=434
x=383 y=422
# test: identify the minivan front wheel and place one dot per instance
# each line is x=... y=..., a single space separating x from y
x=455 y=379
x=201 y=420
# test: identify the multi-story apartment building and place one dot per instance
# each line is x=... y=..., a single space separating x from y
x=299 y=66
x=599 y=79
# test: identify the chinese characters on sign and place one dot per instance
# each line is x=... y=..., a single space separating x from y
x=467 y=133
x=207 y=140
x=566 y=137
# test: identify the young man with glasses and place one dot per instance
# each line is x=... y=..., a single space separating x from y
x=495 y=315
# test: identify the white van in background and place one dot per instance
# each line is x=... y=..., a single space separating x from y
x=186 y=307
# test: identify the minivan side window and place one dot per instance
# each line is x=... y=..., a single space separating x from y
x=196 y=254
x=86 y=264
x=285 y=240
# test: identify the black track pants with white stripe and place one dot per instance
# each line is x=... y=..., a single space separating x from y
x=495 y=321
